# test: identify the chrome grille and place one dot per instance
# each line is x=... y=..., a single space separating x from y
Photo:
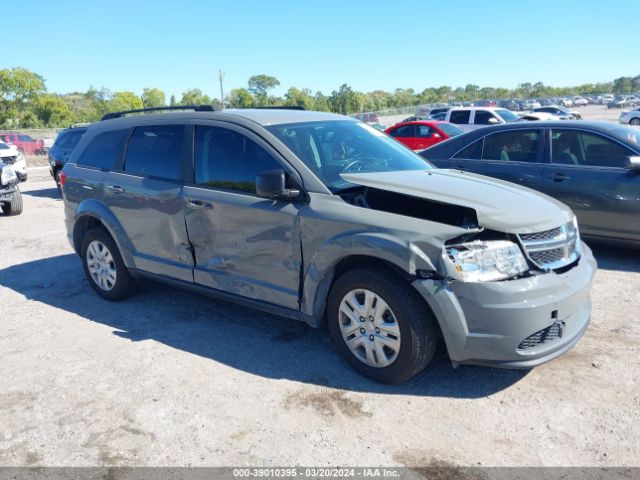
x=552 y=332
x=553 y=248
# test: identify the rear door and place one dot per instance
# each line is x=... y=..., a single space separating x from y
x=589 y=172
x=512 y=155
x=243 y=244
x=145 y=194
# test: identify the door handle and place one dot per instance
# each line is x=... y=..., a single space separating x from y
x=198 y=204
x=559 y=177
x=115 y=189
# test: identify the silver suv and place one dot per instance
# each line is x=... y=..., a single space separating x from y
x=324 y=219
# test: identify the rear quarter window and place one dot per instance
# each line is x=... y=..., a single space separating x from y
x=103 y=150
x=460 y=116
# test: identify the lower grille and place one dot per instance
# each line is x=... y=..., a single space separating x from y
x=546 y=335
x=8 y=160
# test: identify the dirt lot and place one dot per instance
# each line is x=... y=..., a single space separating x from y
x=173 y=378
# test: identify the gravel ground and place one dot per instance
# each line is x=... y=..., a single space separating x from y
x=170 y=378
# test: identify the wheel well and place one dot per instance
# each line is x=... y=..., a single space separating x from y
x=82 y=226
x=363 y=261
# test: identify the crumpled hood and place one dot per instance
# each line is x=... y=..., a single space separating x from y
x=499 y=205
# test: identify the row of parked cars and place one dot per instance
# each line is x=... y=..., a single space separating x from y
x=13 y=171
x=325 y=219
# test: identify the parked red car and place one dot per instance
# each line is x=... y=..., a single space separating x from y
x=24 y=143
x=423 y=134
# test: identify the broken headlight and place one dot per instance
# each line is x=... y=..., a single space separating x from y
x=487 y=261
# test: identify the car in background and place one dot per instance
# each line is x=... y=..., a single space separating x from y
x=536 y=116
x=416 y=118
x=62 y=148
x=509 y=105
x=25 y=144
x=367 y=117
x=579 y=101
x=9 y=155
x=485 y=103
x=623 y=101
x=528 y=104
x=630 y=117
x=436 y=111
x=441 y=116
x=471 y=118
x=10 y=196
x=423 y=134
x=565 y=101
x=593 y=167
x=561 y=112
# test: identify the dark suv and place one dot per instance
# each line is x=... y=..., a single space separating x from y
x=65 y=143
x=324 y=219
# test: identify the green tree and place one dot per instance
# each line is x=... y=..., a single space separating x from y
x=19 y=87
x=471 y=91
x=321 y=102
x=52 y=111
x=124 y=101
x=195 y=97
x=622 y=85
x=240 y=98
x=301 y=98
x=153 y=97
x=344 y=100
x=260 y=85
x=172 y=101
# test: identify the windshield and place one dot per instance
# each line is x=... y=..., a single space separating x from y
x=333 y=147
x=508 y=115
x=25 y=138
x=450 y=129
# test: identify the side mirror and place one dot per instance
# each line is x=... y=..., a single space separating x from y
x=272 y=185
x=436 y=135
x=493 y=121
x=634 y=163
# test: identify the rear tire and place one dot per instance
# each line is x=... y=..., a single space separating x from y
x=634 y=121
x=410 y=320
x=14 y=206
x=104 y=268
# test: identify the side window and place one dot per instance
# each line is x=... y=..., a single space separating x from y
x=155 y=151
x=460 y=116
x=482 y=117
x=103 y=150
x=572 y=147
x=73 y=138
x=471 y=152
x=514 y=146
x=227 y=159
x=406 y=131
x=424 y=131
x=62 y=139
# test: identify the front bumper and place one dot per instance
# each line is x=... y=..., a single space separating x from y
x=485 y=323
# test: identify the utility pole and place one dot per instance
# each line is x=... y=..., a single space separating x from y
x=221 y=77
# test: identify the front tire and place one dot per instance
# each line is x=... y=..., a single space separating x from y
x=104 y=268
x=634 y=121
x=14 y=206
x=382 y=328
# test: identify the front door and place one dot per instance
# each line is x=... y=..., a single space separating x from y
x=243 y=244
x=511 y=155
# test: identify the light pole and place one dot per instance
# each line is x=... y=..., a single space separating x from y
x=221 y=77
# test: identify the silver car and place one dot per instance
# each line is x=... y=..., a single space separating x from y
x=324 y=219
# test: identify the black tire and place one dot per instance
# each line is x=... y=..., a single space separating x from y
x=417 y=324
x=56 y=178
x=634 y=121
x=14 y=206
x=125 y=285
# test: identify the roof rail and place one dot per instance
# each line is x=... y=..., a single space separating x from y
x=195 y=108
x=280 y=107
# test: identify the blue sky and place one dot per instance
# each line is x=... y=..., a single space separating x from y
x=321 y=44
